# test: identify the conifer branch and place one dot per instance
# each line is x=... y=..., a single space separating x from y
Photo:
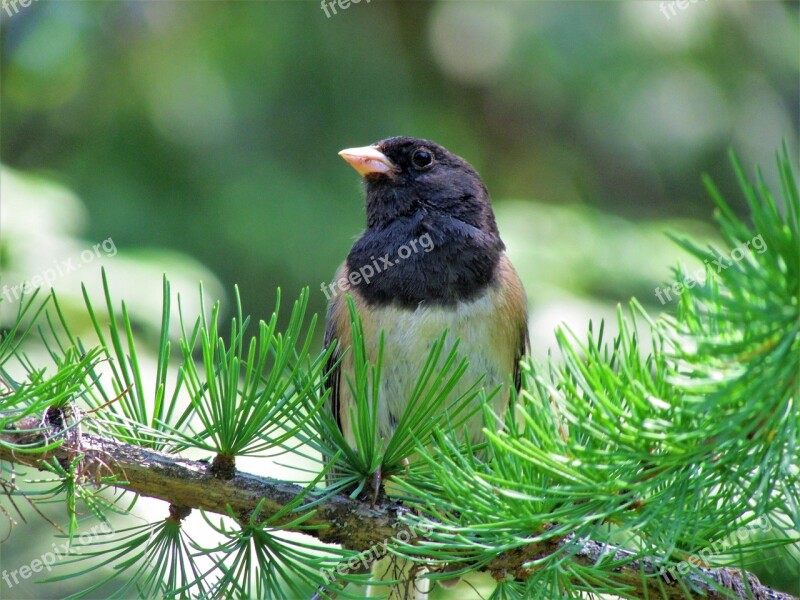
x=354 y=524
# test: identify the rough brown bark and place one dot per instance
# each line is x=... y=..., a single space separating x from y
x=355 y=525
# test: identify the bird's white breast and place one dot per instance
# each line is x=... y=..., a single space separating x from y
x=409 y=336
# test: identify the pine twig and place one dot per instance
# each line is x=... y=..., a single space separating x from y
x=353 y=524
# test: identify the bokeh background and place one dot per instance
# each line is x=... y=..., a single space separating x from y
x=200 y=137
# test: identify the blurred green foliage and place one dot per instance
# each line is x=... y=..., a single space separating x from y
x=211 y=128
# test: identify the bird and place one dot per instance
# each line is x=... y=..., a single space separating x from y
x=431 y=258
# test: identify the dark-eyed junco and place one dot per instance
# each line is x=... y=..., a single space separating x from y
x=430 y=259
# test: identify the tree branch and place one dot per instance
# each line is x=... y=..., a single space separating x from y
x=353 y=524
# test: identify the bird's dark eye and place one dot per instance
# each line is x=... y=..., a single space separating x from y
x=421 y=158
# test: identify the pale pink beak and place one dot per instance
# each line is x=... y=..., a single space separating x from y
x=367 y=160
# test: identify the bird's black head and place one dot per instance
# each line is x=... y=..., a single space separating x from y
x=405 y=176
x=419 y=192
